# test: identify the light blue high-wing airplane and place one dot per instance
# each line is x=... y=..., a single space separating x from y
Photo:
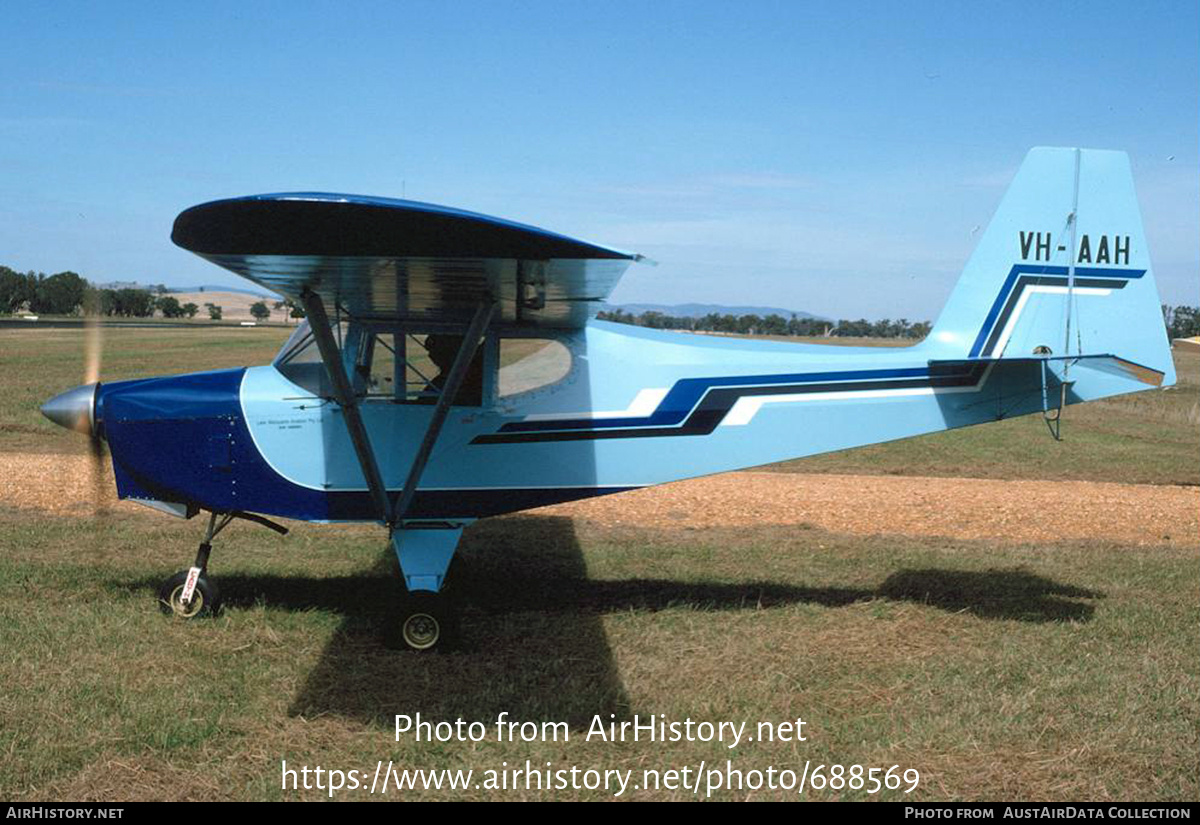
x=411 y=397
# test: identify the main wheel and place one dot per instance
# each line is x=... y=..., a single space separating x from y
x=206 y=598
x=422 y=622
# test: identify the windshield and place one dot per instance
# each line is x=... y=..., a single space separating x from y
x=301 y=347
x=301 y=334
x=299 y=359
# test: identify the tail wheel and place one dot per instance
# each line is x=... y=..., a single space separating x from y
x=205 y=601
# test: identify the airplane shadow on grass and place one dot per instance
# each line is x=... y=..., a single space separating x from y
x=533 y=641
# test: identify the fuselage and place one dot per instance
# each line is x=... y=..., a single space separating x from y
x=632 y=408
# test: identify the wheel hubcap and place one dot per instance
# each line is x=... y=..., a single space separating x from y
x=421 y=631
x=189 y=610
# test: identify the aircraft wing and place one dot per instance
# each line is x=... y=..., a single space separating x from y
x=385 y=259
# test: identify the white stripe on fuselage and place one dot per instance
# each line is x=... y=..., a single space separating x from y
x=748 y=406
x=1002 y=341
x=643 y=405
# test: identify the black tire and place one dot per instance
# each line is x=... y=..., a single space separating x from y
x=206 y=599
x=422 y=622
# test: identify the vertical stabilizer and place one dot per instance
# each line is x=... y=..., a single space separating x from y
x=1062 y=269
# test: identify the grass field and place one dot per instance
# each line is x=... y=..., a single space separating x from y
x=1052 y=671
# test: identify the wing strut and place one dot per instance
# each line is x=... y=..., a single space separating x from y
x=458 y=372
x=348 y=402
x=343 y=393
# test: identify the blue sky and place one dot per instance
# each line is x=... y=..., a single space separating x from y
x=828 y=157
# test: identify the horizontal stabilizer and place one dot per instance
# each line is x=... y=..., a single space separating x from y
x=1099 y=362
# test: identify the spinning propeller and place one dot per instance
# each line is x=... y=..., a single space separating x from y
x=75 y=409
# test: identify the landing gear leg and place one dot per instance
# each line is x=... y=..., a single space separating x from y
x=190 y=594
x=424 y=618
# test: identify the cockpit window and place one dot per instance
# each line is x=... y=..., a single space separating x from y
x=383 y=364
x=442 y=349
x=531 y=363
x=414 y=368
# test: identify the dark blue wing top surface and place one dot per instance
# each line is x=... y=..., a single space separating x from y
x=384 y=258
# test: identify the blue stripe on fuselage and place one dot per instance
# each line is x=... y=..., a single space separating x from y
x=687 y=392
x=1040 y=269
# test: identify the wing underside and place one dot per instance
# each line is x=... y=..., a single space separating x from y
x=389 y=260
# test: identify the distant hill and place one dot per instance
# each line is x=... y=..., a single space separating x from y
x=123 y=285
x=175 y=290
x=258 y=293
x=235 y=304
x=238 y=300
x=700 y=310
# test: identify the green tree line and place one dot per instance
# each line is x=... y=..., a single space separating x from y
x=1180 y=321
x=67 y=293
x=773 y=324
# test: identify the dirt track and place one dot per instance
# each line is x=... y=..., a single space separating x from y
x=862 y=505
